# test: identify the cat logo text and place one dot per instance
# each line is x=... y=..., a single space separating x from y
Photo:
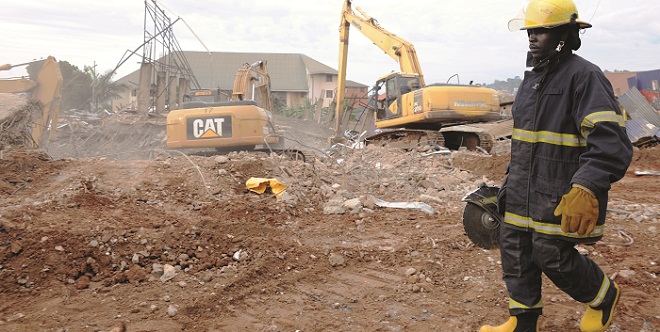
x=209 y=127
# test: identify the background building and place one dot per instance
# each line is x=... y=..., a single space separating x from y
x=296 y=79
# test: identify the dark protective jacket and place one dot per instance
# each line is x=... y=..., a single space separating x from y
x=568 y=129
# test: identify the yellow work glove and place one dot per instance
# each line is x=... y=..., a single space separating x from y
x=579 y=211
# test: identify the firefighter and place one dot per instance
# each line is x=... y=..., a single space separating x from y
x=568 y=145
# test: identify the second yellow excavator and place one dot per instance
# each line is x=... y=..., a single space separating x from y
x=407 y=112
x=243 y=123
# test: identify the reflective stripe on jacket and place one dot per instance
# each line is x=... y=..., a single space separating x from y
x=568 y=129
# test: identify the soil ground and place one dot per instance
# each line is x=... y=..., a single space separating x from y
x=161 y=241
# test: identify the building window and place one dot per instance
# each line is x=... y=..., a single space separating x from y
x=363 y=89
x=328 y=93
x=654 y=85
x=133 y=92
x=328 y=78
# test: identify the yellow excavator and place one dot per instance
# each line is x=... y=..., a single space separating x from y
x=243 y=123
x=407 y=112
x=45 y=89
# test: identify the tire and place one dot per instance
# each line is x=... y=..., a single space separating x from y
x=481 y=227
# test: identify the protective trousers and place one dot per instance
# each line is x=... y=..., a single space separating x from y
x=525 y=255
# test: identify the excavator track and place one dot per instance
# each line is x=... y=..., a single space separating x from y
x=306 y=156
x=486 y=141
x=453 y=139
x=467 y=136
x=407 y=139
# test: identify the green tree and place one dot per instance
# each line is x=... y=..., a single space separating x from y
x=76 y=87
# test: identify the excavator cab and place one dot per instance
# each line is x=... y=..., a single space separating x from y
x=395 y=86
x=205 y=95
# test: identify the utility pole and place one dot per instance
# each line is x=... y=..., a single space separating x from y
x=94 y=84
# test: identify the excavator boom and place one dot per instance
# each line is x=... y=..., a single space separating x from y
x=402 y=51
x=45 y=88
x=251 y=79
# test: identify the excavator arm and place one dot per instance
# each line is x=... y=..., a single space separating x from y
x=252 y=78
x=45 y=88
x=399 y=49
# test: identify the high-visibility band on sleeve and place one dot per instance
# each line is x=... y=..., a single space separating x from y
x=547 y=228
x=590 y=120
x=548 y=137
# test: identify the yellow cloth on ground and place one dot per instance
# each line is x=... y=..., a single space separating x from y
x=259 y=186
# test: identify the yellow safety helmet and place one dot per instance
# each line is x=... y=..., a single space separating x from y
x=547 y=14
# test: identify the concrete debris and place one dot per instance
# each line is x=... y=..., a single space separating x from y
x=406 y=205
x=626 y=274
x=240 y=255
x=354 y=205
x=172 y=310
x=640 y=173
x=168 y=273
x=336 y=259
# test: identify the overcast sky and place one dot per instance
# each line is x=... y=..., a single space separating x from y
x=468 y=38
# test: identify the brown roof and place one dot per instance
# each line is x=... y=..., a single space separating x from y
x=350 y=83
x=619 y=81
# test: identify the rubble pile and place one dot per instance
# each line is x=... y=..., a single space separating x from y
x=367 y=239
x=16 y=117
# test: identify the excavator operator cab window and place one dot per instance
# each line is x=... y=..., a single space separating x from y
x=394 y=89
x=380 y=98
x=391 y=90
x=393 y=94
x=408 y=84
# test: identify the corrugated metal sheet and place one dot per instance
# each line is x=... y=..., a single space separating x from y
x=645 y=79
x=638 y=107
x=632 y=82
x=643 y=127
x=642 y=133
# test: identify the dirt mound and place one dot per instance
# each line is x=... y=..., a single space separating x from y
x=491 y=166
x=646 y=159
